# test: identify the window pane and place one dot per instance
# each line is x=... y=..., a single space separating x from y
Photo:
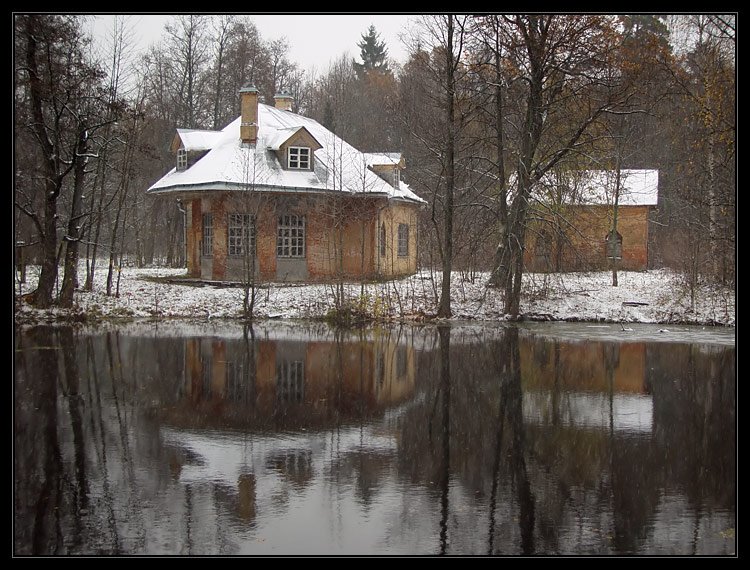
x=181 y=159
x=240 y=234
x=298 y=158
x=403 y=240
x=290 y=237
x=208 y=235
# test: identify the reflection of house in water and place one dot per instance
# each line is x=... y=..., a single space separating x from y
x=587 y=385
x=283 y=376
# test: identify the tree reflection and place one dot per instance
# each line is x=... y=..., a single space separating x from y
x=462 y=442
x=445 y=388
x=75 y=401
x=47 y=532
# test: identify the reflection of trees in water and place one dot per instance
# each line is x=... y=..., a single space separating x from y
x=474 y=433
x=39 y=485
x=85 y=429
x=366 y=469
x=77 y=445
x=608 y=484
x=694 y=424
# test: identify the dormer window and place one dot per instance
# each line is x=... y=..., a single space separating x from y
x=299 y=158
x=396 y=177
x=181 y=159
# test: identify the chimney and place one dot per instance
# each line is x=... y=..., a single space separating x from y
x=249 y=113
x=283 y=100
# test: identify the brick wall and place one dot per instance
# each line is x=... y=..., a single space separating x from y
x=577 y=241
x=341 y=237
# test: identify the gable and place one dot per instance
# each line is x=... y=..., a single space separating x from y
x=301 y=138
x=194 y=140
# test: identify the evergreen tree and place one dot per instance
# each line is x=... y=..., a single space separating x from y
x=374 y=54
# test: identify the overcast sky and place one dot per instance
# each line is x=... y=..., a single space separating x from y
x=314 y=39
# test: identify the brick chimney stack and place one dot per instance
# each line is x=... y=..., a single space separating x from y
x=283 y=100
x=249 y=113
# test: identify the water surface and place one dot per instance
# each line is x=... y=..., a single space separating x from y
x=297 y=439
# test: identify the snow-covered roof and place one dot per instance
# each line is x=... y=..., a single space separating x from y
x=280 y=136
x=195 y=139
x=230 y=165
x=380 y=158
x=597 y=187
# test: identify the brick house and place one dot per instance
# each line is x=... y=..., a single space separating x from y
x=279 y=194
x=572 y=221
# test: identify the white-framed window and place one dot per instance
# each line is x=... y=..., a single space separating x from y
x=181 y=159
x=207 y=242
x=290 y=381
x=240 y=234
x=396 y=177
x=298 y=158
x=290 y=240
x=403 y=240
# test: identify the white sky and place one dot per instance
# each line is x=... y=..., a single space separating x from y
x=314 y=39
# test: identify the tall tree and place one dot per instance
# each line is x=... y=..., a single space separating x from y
x=187 y=46
x=437 y=114
x=374 y=54
x=66 y=103
x=562 y=62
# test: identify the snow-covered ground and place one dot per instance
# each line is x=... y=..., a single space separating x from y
x=572 y=296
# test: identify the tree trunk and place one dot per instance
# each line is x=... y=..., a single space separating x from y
x=613 y=234
x=444 y=308
x=499 y=274
x=517 y=230
x=151 y=238
x=43 y=297
x=73 y=237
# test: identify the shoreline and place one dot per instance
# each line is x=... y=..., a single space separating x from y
x=161 y=294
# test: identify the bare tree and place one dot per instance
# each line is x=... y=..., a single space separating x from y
x=562 y=63
x=65 y=106
x=188 y=46
x=222 y=26
x=445 y=36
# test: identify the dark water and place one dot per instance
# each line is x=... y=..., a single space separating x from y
x=293 y=439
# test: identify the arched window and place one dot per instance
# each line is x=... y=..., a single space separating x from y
x=382 y=239
x=543 y=250
x=614 y=245
x=403 y=240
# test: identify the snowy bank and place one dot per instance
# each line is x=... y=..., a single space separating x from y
x=657 y=296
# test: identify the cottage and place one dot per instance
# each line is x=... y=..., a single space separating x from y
x=276 y=196
x=573 y=216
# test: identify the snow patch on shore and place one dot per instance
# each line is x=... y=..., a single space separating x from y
x=157 y=292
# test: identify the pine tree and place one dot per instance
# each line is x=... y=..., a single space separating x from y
x=374 y=54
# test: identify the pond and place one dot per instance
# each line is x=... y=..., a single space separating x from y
x=289 y=438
